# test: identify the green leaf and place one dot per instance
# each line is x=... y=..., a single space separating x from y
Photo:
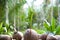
x=53 y=24
x=47 y=26
x=57 y=30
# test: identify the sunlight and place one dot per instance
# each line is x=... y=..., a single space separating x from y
x=36 y=3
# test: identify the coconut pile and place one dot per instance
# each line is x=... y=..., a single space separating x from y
x=29 y=34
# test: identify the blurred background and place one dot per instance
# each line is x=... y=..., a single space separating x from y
x=40 y=15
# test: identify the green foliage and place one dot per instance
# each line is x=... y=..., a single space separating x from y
x=22 y=20
x=1 y=28
x=5 y=29
x=53 y=24
x=2 y=10
x=57 y=30
x=52 y=27
x=40 y=31
x=15 y=9
x=55 y=12
x=31 y=17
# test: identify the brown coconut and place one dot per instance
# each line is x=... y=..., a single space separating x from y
x=5 y=37
x=30 y=34
x=18 y=35
x=42 y=36
x=51 y=37
x=58 y=37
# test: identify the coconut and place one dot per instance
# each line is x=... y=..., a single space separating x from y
x=18 y=35
x=58 y=37
x=5 y=37
x=42 y=36
x=49 y=37
x=30 y=34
